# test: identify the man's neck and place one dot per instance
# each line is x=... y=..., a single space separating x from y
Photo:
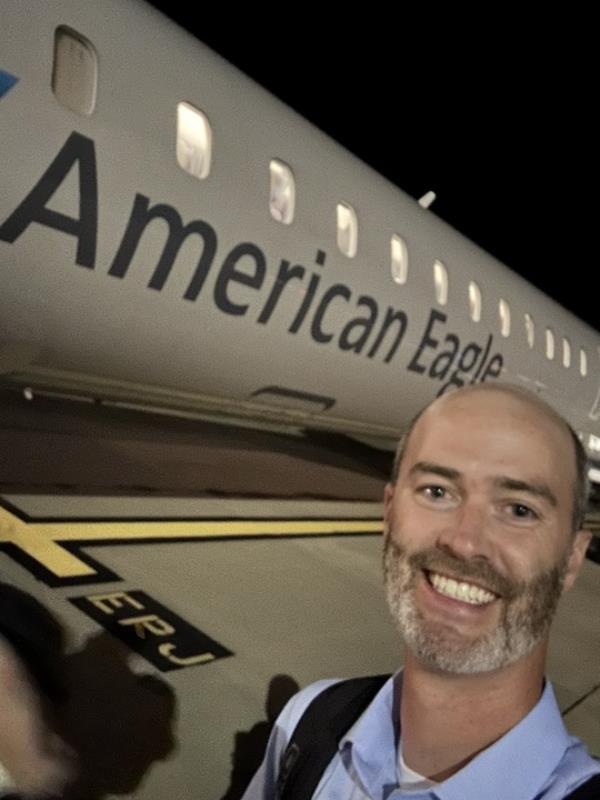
x=446 y=720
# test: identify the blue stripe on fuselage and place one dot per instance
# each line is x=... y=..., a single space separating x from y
x=7 y=81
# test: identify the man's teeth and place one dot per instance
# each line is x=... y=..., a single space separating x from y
x=459 y=590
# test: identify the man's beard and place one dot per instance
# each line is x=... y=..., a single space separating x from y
x=528 y=608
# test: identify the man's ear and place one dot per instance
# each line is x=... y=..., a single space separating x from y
x=578 y=551
x=388 y=496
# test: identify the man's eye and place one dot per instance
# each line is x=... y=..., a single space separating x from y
x=434 y=492
x=521 y=511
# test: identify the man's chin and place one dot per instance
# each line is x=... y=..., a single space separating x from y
x=443 y=647
x=453 y=658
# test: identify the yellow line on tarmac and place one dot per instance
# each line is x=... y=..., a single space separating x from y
x=42 y=541
x=42 y=548
x=98 y=531
x=52 y=555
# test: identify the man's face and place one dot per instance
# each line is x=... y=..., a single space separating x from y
x=478 y=543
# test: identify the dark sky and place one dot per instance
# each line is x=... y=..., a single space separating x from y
x=497 y=122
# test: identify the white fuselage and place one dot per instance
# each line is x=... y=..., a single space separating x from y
x=124 y=277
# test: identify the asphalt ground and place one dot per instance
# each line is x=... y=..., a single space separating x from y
x=202 y=572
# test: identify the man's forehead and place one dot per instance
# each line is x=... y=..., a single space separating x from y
x=493 y=422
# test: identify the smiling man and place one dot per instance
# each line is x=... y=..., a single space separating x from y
x=482 y=536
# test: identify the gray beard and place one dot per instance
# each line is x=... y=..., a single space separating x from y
x=526 y=616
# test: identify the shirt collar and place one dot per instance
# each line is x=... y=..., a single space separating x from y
x=514 y=766
x=371 y=743
x=520 y=763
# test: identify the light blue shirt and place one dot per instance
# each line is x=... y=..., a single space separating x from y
x=536 y=760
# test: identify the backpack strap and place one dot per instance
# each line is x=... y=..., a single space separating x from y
x=315 y=739
x=590 y=790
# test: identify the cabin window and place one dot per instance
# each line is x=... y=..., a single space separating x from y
x=530 y=330
x=194 y=141
x=74 y=71
x=282 y=197
x=347 y=230
x=504 y=311
x=583 y=368
x=594 y=445
x=399 y=259
x=549 y=344
x=440 y=279
x=474 y=301
x=566 y=353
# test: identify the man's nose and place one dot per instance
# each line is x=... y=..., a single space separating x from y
x=466 y=533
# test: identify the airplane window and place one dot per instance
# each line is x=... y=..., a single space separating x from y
x=282 y=199
x=194 y=141
x=549 y=344
x=74 y=71
x=594 y=443
x=504 y=310
x=399 y=256
x=530 y=330
x=583 y=362
x=440 y=276
x=474 y=301
x=347 y=230
x=566 y=353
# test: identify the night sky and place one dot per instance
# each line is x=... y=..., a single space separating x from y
x=497 y=123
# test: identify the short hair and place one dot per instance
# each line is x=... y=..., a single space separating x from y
x=581 y=486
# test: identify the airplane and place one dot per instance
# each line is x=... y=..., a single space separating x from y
x=198 y=247
x=175 y=240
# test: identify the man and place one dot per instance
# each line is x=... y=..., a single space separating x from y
x=482 y=535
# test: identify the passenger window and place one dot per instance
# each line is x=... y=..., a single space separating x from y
x=194 y=141
x=583 y=368
x=549 y=344
x=399 y=259
x=282 y=197
x=504 y=310
x=427 y=199
x=74 y=71
x=530 y=330
x=566 y=353
x=347 y=230
x=474 y=301
x=440 y=278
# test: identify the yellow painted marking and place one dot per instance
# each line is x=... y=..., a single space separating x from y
x=97 y=531
x=166 y=650
x=36 y=544
x=40 y=540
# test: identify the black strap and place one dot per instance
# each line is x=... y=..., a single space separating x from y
x=315 y=739
x=590 y=790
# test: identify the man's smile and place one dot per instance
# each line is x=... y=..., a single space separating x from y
x=457 y=589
